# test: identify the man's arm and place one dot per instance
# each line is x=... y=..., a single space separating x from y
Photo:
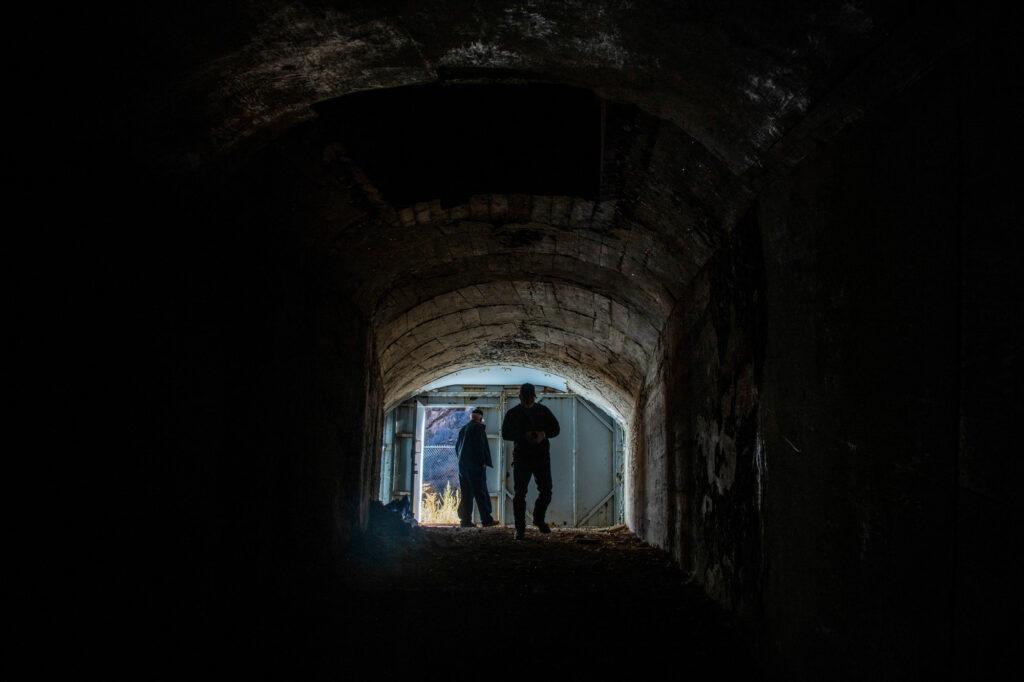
x=460 y=442
x=509 y=428
x=486 y=447
x=552 y=428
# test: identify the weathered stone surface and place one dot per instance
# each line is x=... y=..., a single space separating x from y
x=733 y=88
x=807 y=436
x=450 y=286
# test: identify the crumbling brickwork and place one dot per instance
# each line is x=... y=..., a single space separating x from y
x=773 y=284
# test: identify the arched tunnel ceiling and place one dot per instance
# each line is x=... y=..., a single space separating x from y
x=735 y=76
x=602 y=345
x=697 y=97
x=578 y=286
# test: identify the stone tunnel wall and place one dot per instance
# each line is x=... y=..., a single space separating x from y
x=310 y=424
x=713 y=353
x=858 y=404
x=989 y=549
x=696 y=469
x=801 y=433
x=270 y=406
x=796 y=451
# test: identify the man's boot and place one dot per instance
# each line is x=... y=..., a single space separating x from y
x=542 y=527
x=520 y=533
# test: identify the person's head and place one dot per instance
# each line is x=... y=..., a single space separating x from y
x=477 y=414
x=527 y=394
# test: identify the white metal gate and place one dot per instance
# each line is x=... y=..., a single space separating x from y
x=583 y=465
x=492 y=422
x=586 y=457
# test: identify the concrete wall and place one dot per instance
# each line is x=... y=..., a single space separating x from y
x=309 y=395
x=989 y=547
x=269 y=405
x=700 y=472
x=820 y=434
x=859 y=397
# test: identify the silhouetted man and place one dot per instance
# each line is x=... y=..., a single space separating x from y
x=474 y=454
x=530 y=424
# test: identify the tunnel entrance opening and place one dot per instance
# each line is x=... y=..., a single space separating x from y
x=440 y=491
x=418 y=459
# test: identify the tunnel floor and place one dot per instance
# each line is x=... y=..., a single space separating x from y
x=453 y=602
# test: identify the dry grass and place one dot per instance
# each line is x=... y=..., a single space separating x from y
x=443 y=508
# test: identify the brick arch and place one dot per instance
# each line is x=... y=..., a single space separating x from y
x=717 y=82
x=409 y=262
x=591 y=339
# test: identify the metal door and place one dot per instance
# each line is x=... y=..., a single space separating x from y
x=397 y=458
x=582 y=465
x=495 y=481
x=595 y=466
x=492 y=422
x=417 y=474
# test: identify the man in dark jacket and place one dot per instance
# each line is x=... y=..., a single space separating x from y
x=530 y=424
x=474 y=454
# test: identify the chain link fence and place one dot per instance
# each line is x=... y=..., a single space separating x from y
x=440 y=466
x=441 y=494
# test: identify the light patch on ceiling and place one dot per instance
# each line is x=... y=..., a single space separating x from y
x=499 y=375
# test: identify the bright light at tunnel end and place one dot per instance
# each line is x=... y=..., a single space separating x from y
x=514 y=375
x=500 y=375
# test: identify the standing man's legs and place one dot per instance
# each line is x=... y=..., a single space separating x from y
x=483 y=498
x=542 y=472
x=466 y=499
x=521 y=479
x=473 y=486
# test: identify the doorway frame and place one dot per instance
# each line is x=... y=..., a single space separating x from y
x=489 y=399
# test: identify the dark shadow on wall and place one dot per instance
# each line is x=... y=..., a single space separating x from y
x=420 y=143
x=886 y=542
x=825 y=443
x=267 y=404
x=858 y=398
x=713 y=379
x=701 y=457
x=867 y=568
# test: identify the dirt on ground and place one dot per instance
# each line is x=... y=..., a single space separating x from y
x=463 y=603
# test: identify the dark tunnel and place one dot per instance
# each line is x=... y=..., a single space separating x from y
x=775 y=243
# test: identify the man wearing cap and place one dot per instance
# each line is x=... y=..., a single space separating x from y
x=474 y=454
x=530 y=424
